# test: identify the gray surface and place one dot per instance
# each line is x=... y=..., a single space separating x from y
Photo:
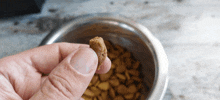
x=188 y=29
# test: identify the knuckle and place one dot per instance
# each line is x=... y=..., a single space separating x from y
x=61 y=84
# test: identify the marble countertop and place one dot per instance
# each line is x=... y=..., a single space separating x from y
x=189 y=30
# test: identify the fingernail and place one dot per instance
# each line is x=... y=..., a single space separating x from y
x=84 y=60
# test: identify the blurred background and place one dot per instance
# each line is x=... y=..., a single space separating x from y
x=189 y=30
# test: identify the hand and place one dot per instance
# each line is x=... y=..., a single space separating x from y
x=71 y=67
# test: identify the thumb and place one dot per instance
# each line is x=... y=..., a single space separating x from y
x=70 y=78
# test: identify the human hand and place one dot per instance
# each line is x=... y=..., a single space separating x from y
x=71 y=67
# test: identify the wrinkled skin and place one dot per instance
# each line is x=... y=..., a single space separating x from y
x=21 y=74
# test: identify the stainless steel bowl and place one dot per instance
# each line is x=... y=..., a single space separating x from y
x=131 y=35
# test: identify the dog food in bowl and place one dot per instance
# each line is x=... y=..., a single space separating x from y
x=122 y=82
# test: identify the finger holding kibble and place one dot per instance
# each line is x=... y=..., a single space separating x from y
x=122 y=82
x=98 y=45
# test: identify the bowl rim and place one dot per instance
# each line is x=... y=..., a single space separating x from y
x=161 y=61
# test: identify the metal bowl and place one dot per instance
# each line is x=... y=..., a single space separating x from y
x=131 y=35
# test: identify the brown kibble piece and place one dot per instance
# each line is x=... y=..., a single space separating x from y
x=122 y=89
x=129 y=96
x=117 y=62
x=128 y=62
x=114 y=82
x=97 y=83
x=136 y=64
x=100 y=98
x=118 y=98
x=95 y=98
x=139 y=86
x=104 y=77
x=113 y=66
x=113 y=77
x=137 y=79
x=98 y=45
x=104 y=95
x=94 y=79
x=108 y=44
x=134 y=72
x=89 y=93
x=112 y=92
x=127 y=75
x=137 y=95
x=90 y=84
x=104 y=86
x=112 y=56
x=96 y=91
x=119 y=48
x=127 y=54
x=129 y=82
x=120 y=76
x=115 y=52
x=121 y=68
x=86 y=97
x=132 y=89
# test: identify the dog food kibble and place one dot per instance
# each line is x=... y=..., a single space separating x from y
x=98 y=45
x=122 y=82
